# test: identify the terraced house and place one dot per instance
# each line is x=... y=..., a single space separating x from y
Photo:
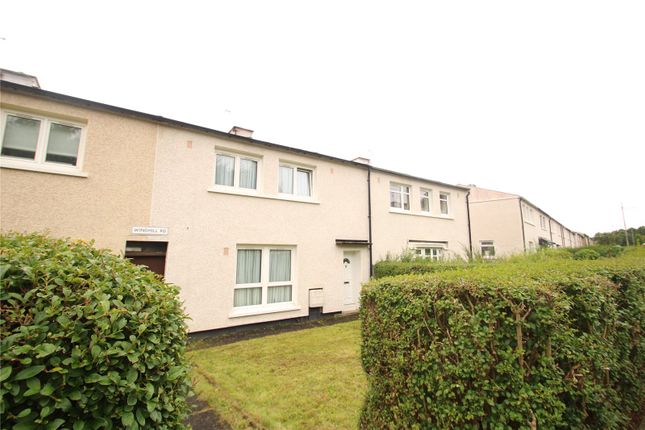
x=250 y=231
x=503 y=224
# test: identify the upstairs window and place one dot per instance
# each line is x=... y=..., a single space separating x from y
x=527 y=212
x=295 y=180
x=400 y=196
x=225 y=170
x=236 y=171
x=543 y=222
x=444 y=203
x=426 y=200
x=32 y=140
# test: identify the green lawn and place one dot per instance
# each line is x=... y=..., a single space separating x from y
x=305 y=379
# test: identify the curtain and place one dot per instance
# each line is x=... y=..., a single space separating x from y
x=395 y=196
x=395 y=199
x=406 y=198
x=444 y=207
x=247 y=296
x=248 y=173
x=63 y=143
x=248 y=266
x=286 y=180
x=280 y=265
x=20 y=137
x=224 y=170
x=279 y=294
x=425 y=203
x=304 y=182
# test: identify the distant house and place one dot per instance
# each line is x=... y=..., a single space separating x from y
x=250 y=231
x=504 y=224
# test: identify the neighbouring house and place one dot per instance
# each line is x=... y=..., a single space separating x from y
x=503 y=224
x=250 y=231
x=429 y=218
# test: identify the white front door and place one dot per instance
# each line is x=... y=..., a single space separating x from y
x=350 y=278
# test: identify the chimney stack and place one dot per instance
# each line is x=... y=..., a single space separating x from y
x=362 y=160
x=19 y=78
x=239 y=131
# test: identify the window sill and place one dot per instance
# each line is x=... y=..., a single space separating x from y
x=247 y=311
x=294 y=198
x=254 y=193
x=42 y=168
x=233 y=190
x=421 y=214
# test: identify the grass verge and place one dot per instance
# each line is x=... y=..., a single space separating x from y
x=305 y=379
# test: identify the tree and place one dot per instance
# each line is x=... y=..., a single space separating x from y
x=617 y=237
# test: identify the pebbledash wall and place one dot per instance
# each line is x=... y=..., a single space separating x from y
x=102 y=198
x=279 y=252
x=209 y=223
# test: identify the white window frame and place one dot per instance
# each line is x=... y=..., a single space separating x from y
x=264 y=306
x=402 y=192
x=237 y=172
x=447 y=200
x=438 y=250
x=39 y=163
x=294 y=195
x=489 y=244
x=428 y=197
x=543 y=222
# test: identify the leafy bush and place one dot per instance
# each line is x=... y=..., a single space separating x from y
x=586 y=254
x=601 y=250
x=88 y=340
x=418 y=266
x=551 y=344
x=608 y=250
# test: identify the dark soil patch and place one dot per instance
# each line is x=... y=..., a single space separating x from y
x=638 y=420
x=203 y=417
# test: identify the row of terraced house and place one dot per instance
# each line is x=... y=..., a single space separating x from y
x=251 y=231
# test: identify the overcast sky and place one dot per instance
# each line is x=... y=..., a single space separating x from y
x=544 y=99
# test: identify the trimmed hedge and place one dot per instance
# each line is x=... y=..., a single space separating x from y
x=551 y=344
x=88 y=340
x=393 y=267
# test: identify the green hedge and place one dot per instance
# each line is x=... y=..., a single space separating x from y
x=604 y=250
x=88 y=340
x=554 y=344
x=393 y=267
